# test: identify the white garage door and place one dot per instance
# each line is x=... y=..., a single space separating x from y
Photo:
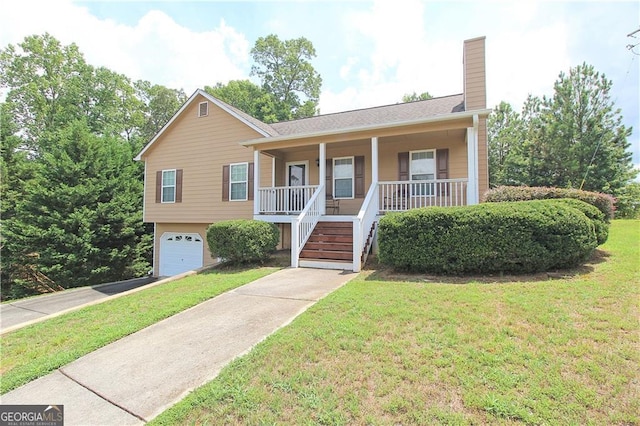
x=180 y=252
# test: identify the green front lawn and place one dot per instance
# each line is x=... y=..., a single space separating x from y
x=33 y=351
x=533 y=350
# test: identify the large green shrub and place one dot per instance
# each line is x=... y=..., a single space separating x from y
x=596 y=216
x=518 y=237
x=242 y=240
x=604 y=202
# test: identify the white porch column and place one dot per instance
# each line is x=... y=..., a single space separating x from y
x=273 y=172
x=472 y=163
x=322 y=176
x=256 y=182
x=374 y=160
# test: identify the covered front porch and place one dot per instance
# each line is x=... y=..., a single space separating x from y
x=353 y=180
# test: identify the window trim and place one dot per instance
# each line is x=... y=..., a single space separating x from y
x=246 y=182
x=163 y=186
x=353 y=177
x=200 y=109
x=304 y=163
x=435 y=172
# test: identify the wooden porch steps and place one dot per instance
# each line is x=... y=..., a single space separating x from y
x=329 y=241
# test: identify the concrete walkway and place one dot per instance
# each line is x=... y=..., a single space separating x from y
x=136 y=378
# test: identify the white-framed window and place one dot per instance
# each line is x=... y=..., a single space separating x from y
x=343 y=177
x=169 y=186
x=422 y=166
x=203 y=109
x=238 y=181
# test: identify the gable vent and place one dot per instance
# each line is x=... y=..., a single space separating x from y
x=203 y=109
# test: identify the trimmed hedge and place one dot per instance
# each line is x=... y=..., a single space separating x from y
x=596 y=216
x=603 y=202
x=242 y=241
x=517 y=237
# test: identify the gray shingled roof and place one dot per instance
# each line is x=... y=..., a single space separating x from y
x=371 y=116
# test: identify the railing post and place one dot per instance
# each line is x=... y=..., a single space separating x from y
x=295 y=253
x=357 y=244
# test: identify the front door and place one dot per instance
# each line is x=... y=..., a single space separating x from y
x=296 y=178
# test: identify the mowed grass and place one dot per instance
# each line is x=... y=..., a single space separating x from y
x=36 y=350
x=382 y=352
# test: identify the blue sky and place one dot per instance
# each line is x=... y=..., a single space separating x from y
x=368 y=52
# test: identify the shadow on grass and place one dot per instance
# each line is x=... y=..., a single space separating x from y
x=379 y=272
x=279 y=259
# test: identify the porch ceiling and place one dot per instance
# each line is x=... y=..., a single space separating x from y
x=366 y=143
x=458 y=121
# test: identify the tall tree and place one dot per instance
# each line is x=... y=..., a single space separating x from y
x=79 y=220
x=159 y=105
x=573 y=139
x=285 y=71
x=588 y=145
x=506 y=159
x=112 y=106
x=51 y=85
x=412 y=97
x=14 y=173
x=249 y=98
x=46 y=83
x=51 y=90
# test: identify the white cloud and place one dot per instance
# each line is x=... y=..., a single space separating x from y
x=520 y=63
x=412 y=50
x=155 y=49
x=345 y=70
x=402 y=59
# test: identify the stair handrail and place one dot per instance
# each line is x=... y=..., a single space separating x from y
x=362 y=225
x=302 y=226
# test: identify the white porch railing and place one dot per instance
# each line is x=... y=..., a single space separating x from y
x=302 y=226
x=284 y=199
x=406 y=194
x=363 y=225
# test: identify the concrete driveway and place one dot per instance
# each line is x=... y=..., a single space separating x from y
x=25 y=311
x=133 y=380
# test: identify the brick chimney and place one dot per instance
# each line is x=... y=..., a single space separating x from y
x=474 y=74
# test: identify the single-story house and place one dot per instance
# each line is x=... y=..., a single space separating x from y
x=324 y=180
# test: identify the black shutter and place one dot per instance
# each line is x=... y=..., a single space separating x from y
x=159 y=186
x=358 y=169
x=225 y=183
x=329 y=178
x=442 y=163
x=250 y=182
x=179 y=186
x=403 y=166
x=442 y=170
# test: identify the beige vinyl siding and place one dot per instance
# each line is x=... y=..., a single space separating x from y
x=200 y=146
x=452 y=140
x=483 y=158
x=356 y=148
x=474 y=74
x=198 y=228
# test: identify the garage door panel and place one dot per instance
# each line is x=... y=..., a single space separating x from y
x=180 y=252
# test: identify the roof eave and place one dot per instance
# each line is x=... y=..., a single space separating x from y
x=427 y=120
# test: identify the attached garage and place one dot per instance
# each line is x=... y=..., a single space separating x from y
x=180 y=252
